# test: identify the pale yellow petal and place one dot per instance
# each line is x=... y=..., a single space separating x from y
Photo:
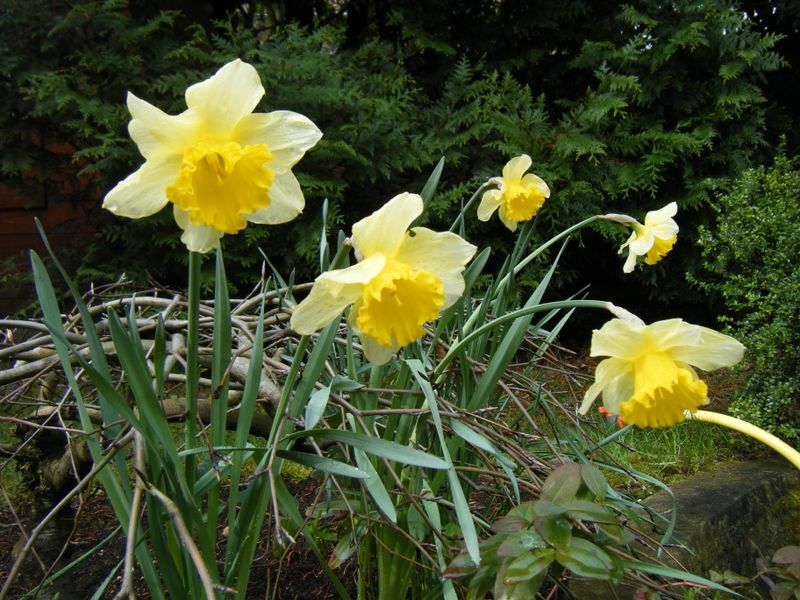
x=617 y=392
x=665 y=229
x=383 y=231
x=331 y=293
x=443 y=254
x=641 y=244
x=512 y=225
x=226 y=97
x=537 y=182
x=142 y=193
x=158 y=134
x=618 y=338
x=714 y=350
x=489 y=203
x=516 y=167
x=197 y=238
x=375 y=352
x=288 y=135
x=630 y=263
x=669 y=333
x=285 y=201
x=662 y=214
x=607 y=371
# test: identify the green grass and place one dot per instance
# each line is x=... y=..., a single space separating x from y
x=669 y=454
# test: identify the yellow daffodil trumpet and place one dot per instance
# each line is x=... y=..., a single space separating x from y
x=653 y=240
x=519 y=197
x=403 y=279
x=220 y=164
x=649 y=379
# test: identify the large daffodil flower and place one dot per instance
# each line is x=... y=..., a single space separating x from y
x=653 y=239
x=403 y=279
x=519 y=197
x=218 y=163
x=649 y=380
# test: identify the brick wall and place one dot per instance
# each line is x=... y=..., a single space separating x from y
x=61 y=200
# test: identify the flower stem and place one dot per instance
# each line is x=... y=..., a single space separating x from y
x=460 y=217
x=525 y=261
x=781 y=447
x=458 y=345
x=192 y=366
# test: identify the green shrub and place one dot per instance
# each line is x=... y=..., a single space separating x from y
x=753 y=255
x=655 y=104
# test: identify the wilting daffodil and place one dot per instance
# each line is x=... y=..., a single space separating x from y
x=519 y=197
x=218 y=163
x=649 y=380
x=403 y=279
x=653 y=239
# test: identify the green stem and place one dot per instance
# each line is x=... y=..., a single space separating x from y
x=607 y=440
x=288 y=388
x=781 y=447
x=547 y=306
x=460 y=217
x=192 y=362
x=525 y=262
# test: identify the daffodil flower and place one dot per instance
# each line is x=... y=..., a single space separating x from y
x=653 y=239
x=218 y=163
x=649 y=380
x=403 y=279
x=519 y=197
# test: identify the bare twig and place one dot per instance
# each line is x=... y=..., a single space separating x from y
x=12 y=575
x=126 y=588
x=186 y=538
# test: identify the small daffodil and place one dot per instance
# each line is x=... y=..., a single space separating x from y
x=653 y=239
x=402 y=280
x=218 y=163
x=649 y=379
x=519 y=195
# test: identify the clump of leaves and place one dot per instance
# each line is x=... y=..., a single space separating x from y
x=751 y=256
x=572 y=524
x=785 y=568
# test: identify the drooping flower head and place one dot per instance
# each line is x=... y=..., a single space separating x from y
x=403 y=279
x=218 y=163
x=649 y=380
x=519 y=197
x=653 y=239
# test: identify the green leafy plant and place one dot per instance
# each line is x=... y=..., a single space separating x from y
x=785 y=567
x=752 y=254
x=601 y=118
x=559 y=527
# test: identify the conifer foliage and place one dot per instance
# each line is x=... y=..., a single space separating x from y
x=622 y=107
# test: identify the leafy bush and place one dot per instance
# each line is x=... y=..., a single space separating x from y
x=753 y=254
x=652 y=104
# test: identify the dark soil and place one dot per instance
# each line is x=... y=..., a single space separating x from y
x=299 y=575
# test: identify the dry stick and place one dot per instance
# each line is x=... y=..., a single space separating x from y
x=12 y=575
x=309 y=514
x=518 y=403
x=22 y=527
x=279 y=530
x=126 y=588
x=412 y=500
x=33 y=425
x=186 y=537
